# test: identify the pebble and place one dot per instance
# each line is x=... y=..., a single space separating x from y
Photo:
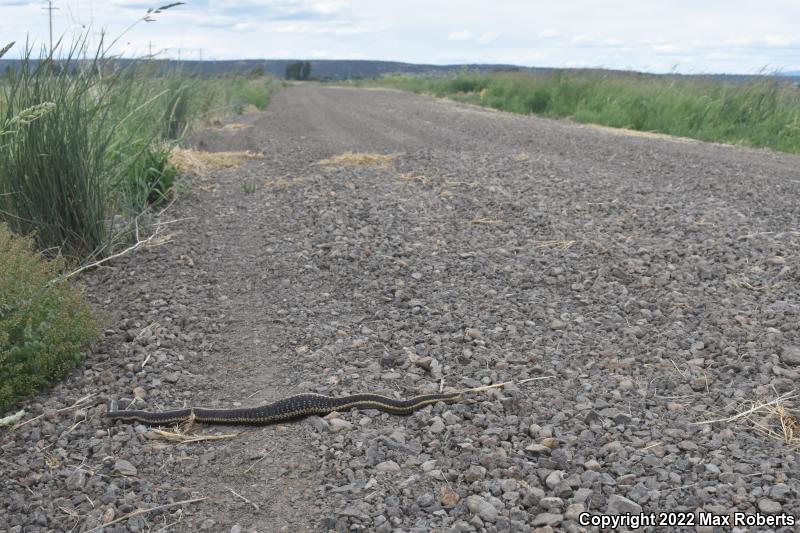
x=620 y=505
x=547 y=519
x=554 y=478
x=387 y=466
x=790 y=355
x=339 y=424
x=478 y=505
x=124 y=468
x=767 y=506
x=448 y=497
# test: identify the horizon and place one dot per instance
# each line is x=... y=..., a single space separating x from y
x=682 y=38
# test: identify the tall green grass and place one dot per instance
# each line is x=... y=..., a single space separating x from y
x=79 y=176
x=764 y=112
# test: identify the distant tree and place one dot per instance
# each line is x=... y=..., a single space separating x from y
x=299 y=70
x=305 y=70
x=293 y=70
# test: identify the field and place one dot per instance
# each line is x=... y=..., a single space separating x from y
x=764 y=113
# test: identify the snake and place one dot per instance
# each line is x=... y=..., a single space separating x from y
x=285 y=410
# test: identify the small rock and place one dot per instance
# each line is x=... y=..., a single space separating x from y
x=318 y=423
x=139 y=392
x=550 y=442
x=339 y=424
x=509 y=485
x=554 y=478
x=547 y=519
x=592 y=465
x=448 y=497
x=538 y=449
x=574 y=511
x=790 y=355
x=387 y=466
x=236 y=529
x=437 y=426
x=124 y=468
x=767 y=506
x=626 y=384
x=76 y=480
x=474 y=473
x=557 y=324
x=473 y=333
x=620 y=505
x=551 y=502
x=172 y=377
x=427 y=466
x=478 y=505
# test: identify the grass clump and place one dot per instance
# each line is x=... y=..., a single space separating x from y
x=763 y=112
x=44 y=322
x=91 y=141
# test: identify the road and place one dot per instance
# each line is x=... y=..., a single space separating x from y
x=650 y=283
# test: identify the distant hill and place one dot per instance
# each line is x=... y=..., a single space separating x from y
x=325 y=69
x=340 y=69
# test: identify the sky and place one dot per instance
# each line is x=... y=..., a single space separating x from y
x=689 y=36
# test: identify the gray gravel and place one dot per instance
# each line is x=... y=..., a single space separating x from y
x=655 y=279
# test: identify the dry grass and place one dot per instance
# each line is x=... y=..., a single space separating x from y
x=411 y=177
x=285 y=182
x=201 y=162
x=353 y=159
x=236 y=126
x=554 y=245
x=179 y=437
x=775 y=419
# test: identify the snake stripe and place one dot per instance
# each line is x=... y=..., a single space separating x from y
x=292 y=408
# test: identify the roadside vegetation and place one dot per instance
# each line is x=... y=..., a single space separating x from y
x=764 y=112
x=45 y=323
x=86 y=153
x=80 y=175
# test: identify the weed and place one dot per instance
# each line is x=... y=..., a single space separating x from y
x=44 y=322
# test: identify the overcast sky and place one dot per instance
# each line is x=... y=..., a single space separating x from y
x=736 y=36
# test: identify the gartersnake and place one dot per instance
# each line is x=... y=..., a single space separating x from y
x=292 y=408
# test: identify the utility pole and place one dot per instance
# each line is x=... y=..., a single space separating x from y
x=50 y=10
x=102 y=34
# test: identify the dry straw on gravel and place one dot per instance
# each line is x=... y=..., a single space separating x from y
x=775 y=419
x=353 y=159
x=235 y=126
x=201 y=162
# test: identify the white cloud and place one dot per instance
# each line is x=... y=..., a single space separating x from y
x=549 y=32
x=488 y=37
x=245 y=26
x=463 y=35
x=670 y=49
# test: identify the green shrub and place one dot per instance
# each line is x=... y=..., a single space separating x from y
x=44 y=322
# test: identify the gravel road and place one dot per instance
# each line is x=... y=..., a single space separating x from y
x=651 y=282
